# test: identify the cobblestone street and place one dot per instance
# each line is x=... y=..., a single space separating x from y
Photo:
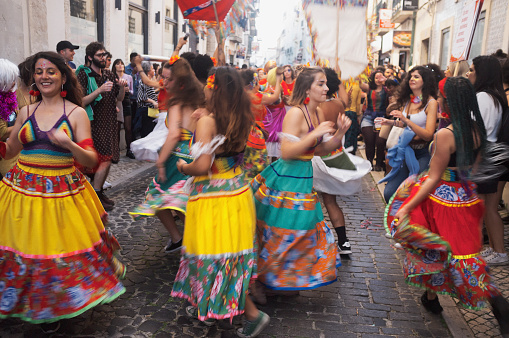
x=370 y=298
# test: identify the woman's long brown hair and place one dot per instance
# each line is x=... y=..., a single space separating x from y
x=187 y=90
x=231 y=107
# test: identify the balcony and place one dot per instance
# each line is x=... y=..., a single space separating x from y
x=400 y=12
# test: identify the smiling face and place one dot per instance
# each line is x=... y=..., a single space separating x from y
x=416 y=83
x=48 y=78
x=319 y=89
x=380 y=79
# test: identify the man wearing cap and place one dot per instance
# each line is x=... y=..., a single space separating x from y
x=66 y=49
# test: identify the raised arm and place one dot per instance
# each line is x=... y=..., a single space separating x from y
x=144 y=78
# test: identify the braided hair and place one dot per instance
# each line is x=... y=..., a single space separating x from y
x=466 y=120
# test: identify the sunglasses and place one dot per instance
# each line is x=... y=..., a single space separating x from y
x=101 y=55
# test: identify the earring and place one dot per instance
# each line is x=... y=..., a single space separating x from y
x=63 y=93
x=306 y=101
x=34 y=92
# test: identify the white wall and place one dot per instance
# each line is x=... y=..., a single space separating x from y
x=55 y=23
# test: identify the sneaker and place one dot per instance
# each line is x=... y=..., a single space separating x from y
x=172 y=247
x=106 y=185
x=193 y=312
x=497 y=258
x=388 y=235
x=345 y=248
x=253 y=328
x=130 y=154
x=486 y=251
x=432 y=306
x=398 y=246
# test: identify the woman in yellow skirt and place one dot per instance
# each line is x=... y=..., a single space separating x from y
x=56 y=258
x=218 y=258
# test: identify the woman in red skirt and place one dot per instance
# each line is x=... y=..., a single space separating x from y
x=436 y=216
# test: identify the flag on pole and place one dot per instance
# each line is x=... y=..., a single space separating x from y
x=204 y=9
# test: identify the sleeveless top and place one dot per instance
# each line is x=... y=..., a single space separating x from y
x=420 y=117
x=309 y=153
x=38 y=151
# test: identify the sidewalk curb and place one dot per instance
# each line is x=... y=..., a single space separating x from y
x=452 y=316
x=120 y=182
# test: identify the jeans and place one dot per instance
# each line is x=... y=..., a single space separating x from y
x=423 y=157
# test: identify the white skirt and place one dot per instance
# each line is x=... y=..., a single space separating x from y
x=147 y=148
x=335 y=181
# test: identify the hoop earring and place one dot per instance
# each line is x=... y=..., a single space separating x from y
x=63 y=93
x=34 y=92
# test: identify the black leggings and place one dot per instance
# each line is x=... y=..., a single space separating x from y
x=373 y=142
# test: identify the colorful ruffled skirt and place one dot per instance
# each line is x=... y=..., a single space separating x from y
x=56 y=258
x=442 y=240
x=218 y=258
x=255 y=155
x=297 y=250
x=169 y=194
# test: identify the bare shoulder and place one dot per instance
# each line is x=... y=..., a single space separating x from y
x=295 y=113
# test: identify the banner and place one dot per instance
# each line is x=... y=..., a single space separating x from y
x=385 y=19
x=338 y=30
x=402 y=39
x=468 y=21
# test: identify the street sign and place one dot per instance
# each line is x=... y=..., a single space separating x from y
x=410 y=5
x=468 y=21
x=385 y=19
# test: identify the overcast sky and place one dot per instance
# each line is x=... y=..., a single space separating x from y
x=269 y=22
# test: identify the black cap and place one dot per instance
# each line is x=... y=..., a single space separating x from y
x=65 y=44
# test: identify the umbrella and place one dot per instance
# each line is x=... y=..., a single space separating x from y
x=207 y=10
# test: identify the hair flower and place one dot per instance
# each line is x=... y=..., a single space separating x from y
x=210 y=81
x=173 y=59
x=214 y=60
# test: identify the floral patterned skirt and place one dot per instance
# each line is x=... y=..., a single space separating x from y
x=56 y=258
x=165 y=195
x=218 y=259
x=255 y=155
x=442 y=239
x=297 y=247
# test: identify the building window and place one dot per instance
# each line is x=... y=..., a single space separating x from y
x=85 y=25
x=170 y=27
x=444 y=51
x=424 y=51
x=138 y=27
x=476 y=47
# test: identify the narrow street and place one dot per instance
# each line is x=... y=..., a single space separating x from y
x=370 y=298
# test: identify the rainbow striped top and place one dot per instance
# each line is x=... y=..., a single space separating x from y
x=38 y=151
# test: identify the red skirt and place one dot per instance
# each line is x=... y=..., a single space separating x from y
x=442 y=240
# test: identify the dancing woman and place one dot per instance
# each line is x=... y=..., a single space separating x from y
x=438 y=213
x=418 y=114
x=56 y=257
x=297 y=248
x=165 y=192
x=218 y=259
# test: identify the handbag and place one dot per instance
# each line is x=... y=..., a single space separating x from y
x=385 y=131
x=393 y=137
x=152 y=112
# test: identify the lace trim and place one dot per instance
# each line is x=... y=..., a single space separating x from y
x=199 y=148
x=289 y=137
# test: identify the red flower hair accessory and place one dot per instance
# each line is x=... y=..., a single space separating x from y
x=441 y=85
x=214 y=61
x=173 y=59
x=210 y=81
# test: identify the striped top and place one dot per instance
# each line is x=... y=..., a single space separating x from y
x=378 y=101
x=38 y=151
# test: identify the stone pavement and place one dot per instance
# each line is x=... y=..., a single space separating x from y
x=370 y=298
